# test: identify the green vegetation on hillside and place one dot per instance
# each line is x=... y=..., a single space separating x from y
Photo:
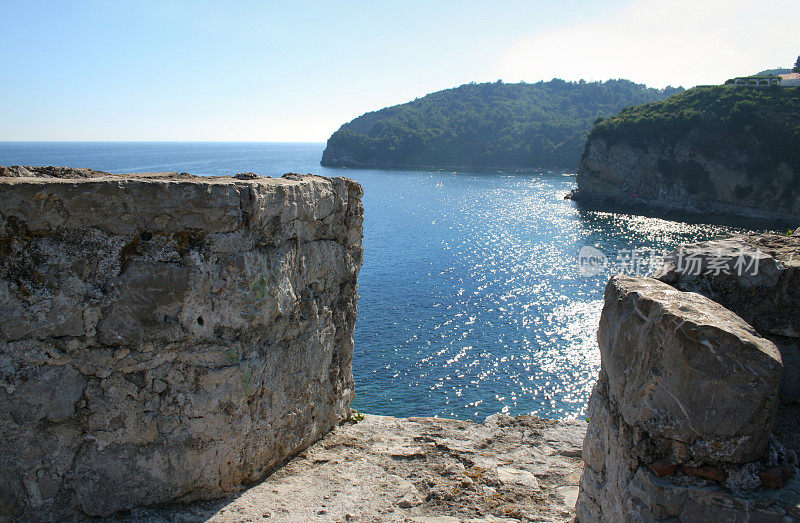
x=762 y=124
x=486 y=125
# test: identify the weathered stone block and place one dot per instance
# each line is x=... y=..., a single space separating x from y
x=683 y=367
x=686 y=382
x=167 y=337
x=757 y=276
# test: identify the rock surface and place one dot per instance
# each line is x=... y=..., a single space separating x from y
x=680 y=421
x=757 y=276
x=680 y=178
x=19 y=171
x=167 y=337
x=687 y=372
x=416 y=469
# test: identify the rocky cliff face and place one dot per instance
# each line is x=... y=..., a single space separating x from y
x=720 y=150
x=167 y=337
x=683 y=178
x=695 y=413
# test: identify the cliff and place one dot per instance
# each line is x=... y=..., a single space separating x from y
x=711 y=150
x=167 y=337
x=172 y=339
x=490 y=125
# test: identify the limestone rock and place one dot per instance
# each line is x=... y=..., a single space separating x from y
x=664 y=178
x=511 y=475
x=615 y=486
x=164 y=336
x=682 y=367
x=18 y=171
x=681 y=417
x=757 y=276
x=410 y=499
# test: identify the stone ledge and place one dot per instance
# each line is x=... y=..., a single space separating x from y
x=414 y=469
x=169 y=202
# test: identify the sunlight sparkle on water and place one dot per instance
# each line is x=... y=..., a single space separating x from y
x=491 y=312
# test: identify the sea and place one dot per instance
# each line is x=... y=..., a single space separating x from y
x=480 y=291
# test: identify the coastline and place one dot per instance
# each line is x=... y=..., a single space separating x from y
x=414 y=167
x=715 y=212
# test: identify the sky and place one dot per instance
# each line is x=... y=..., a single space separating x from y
x=295 y=71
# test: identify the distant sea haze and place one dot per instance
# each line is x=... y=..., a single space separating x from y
x=471 y=298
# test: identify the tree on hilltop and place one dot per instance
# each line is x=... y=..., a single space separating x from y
x=797 y=66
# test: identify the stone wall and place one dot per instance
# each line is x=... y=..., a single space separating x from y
x=167 y=337
x=695 y=413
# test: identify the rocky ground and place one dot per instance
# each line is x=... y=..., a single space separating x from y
x=416 y=469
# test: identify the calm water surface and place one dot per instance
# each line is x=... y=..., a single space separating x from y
x=471 y=301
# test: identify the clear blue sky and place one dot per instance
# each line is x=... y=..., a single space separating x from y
x=295 y=71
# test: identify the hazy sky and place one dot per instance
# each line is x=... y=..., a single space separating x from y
x=295 y=71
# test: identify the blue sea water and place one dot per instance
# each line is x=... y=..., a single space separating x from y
x=471 y=301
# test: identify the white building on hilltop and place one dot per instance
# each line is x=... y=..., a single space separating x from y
x=785 y=80
x=755 y=81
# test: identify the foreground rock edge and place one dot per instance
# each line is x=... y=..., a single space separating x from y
x=638 y=470
x=168 y=337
